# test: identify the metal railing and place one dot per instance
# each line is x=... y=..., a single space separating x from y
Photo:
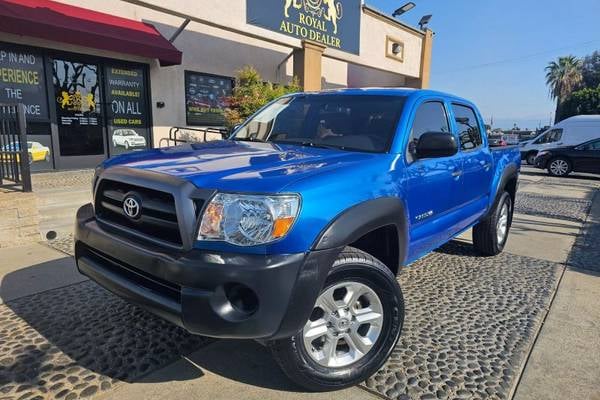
x=180 y=134
x=14 y=152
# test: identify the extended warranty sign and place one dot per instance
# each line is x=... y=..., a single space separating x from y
x=333 y=23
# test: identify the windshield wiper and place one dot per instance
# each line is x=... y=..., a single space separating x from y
x=247 y=139
x=311 y=144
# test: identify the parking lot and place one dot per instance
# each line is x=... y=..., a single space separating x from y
x=475 y=327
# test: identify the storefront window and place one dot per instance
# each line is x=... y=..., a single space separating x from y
x=78 y=108
x=22 y=81
x=206 y=98
x=128 y=118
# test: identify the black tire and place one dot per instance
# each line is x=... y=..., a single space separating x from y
x=485 y=233
x=126 y=145
x=351 y=266
x=565 y=166
x=530 y=158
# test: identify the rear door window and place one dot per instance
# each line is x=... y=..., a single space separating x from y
x=469 y=130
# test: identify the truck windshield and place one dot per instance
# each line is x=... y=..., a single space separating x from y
x=346 y=122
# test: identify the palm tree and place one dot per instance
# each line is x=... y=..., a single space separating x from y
x=563 y=77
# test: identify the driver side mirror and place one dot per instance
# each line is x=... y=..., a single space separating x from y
x=436 y=144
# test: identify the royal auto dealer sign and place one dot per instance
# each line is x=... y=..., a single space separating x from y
x=332 y=23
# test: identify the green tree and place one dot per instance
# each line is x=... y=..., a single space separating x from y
x=251 y=93
x=563 y=77
x=582 y=102
x=590 y=70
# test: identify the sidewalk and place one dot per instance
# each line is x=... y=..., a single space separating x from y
x=565 y=361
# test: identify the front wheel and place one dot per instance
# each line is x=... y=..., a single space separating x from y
x=531 y=158
x=353 y=328
x=491 y=233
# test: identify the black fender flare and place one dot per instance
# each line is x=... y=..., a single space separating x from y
x=510 y=172
x=365 y=217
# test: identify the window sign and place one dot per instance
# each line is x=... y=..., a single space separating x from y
x=333 y=23
x=127 y=117
x=206 y=98
x=22 y=81
x=78 y=108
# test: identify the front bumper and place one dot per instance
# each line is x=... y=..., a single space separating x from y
x=226 y=295
x=541 y=162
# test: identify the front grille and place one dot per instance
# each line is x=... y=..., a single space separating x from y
x=157 y=219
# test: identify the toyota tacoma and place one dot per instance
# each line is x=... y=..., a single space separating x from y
x=292 y=230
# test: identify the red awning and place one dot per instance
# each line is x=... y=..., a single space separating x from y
x=75 y=25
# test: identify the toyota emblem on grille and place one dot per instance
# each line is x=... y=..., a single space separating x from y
x=131 y=207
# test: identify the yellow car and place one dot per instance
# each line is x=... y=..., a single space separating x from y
x=36 y=150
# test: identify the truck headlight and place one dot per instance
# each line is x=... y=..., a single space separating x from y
x=248 y=220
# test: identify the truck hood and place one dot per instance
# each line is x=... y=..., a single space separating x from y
x=240 y=166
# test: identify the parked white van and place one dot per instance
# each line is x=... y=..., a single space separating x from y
x=569 y=132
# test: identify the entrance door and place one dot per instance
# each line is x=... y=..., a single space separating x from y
x=79 y=116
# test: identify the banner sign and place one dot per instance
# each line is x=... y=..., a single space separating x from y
x=206 y=98
x=332 y=23
x=127 y=115
x=22 y=81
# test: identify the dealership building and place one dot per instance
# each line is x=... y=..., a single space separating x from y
x=102 y=77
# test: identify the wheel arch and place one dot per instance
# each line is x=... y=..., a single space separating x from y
x=383 y=219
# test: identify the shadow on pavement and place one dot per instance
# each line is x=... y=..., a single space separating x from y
x=244 y=361
x=39 y=278
x=81 y=339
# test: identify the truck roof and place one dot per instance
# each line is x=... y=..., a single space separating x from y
x=392 y=91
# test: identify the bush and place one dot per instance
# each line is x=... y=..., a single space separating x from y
x=251 y=93
x=581 y=102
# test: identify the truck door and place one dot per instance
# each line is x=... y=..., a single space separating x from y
x=432 y=184
x=476 y=165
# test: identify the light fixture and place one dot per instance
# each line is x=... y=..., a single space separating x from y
x=424 y=21
x=396 y=48
x=407 y=7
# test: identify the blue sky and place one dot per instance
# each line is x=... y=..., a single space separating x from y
x=494 y=52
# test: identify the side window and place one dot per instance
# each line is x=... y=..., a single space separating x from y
x=469 y=131
x=595 y=146
x=550 y=137
x=430 y=117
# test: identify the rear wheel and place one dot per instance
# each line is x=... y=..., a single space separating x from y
x=353 y=328
x=491 y=233
x=559 y=167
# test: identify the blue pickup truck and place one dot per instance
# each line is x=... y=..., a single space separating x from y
x=292 y=231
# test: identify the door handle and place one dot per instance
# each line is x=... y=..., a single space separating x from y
x=486 y=165
x=457 y=173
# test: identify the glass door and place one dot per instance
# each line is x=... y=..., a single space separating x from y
x=78 y=113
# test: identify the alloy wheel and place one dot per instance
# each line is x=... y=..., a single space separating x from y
x=559 y=167
x=345 y=324
x=502 y=224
